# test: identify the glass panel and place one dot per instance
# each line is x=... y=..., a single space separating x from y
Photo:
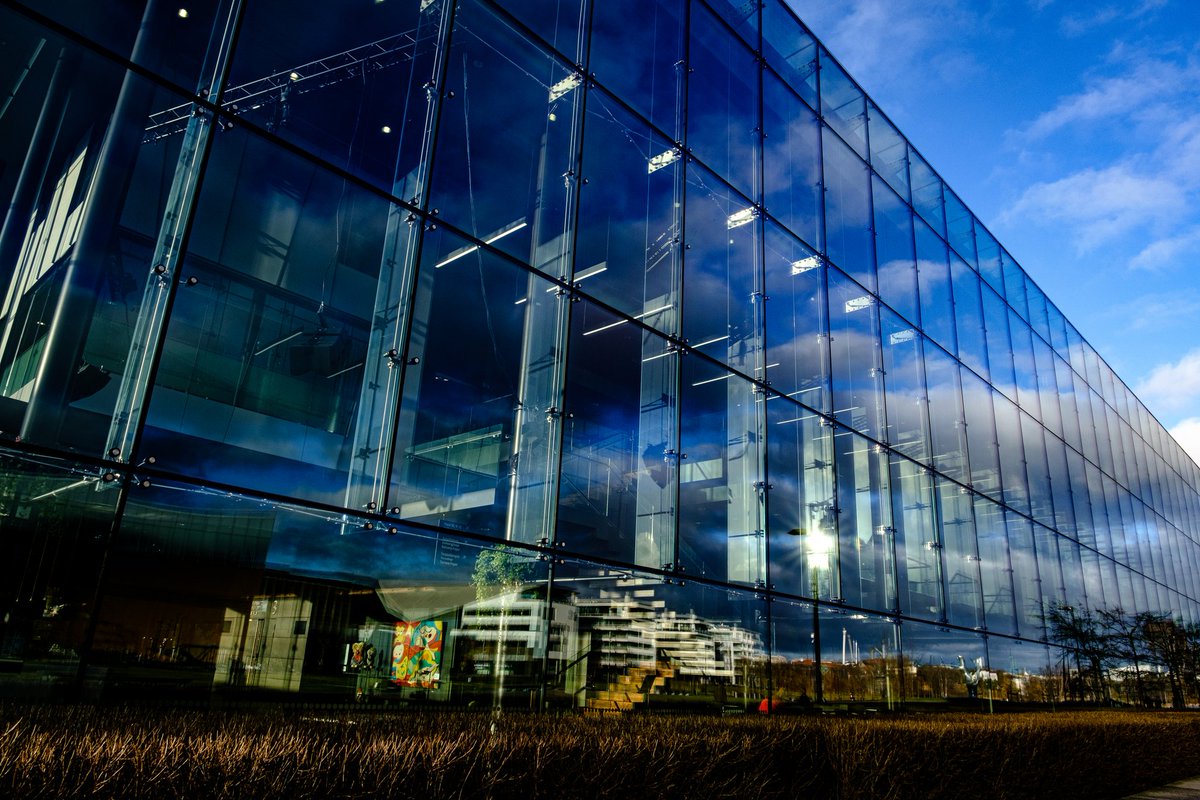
x=842 y=104
x=803 y=519
x=262 y=361
x=918 y=541
x=1105 y=417
x=1084 y=403
x=1012 y=454
x=991 y=267
x=904 y=380
x=722 y=533
x=1093 y=578
x=420 y=616
x=505 y=141
x=1124 y=534
x=57 y=517
x=1066 y=400
x=1037 y=309
x=855 y=361
x=1014 y=285
x=86 y=193
x=968 y=317
x=860 y=659
x=559 y=22
x=1047 y=386
x=796 y=672
x=1024 y=365
x=1072 y=568
x=1025 y=672
x=999 y=349
x=722 y=295
x=933 y=274
x=1041 y=499
x=960 y=231
x=1050 y=571
x=894 y=257
x=947 y=434
x=792 y=171
x=1075 y=345
x=1027 y=581
x=790 y=49
x=628 y=251
x=1060 y=484
x=963 y=593
x=185 y=562
x=796 y=339
x=723 y=125
x=645 y=644
x=942 y=664
x=153 y=35
x=456 y=439
x=926 y=192
x=1098 y=507
x=866 y=536
x=978 y=400
x=620 y=442
x=351 y=88
x=848 y=239
x=995 y=567
x=889 y=151
x=740 y=15
x=637 y=51
x=1058 y=329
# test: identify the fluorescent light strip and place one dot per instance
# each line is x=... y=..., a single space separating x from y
x=585 y=274
x=713 y=380
x=466 y=251
x=796 y=419
x=605 y=327
x=623 y=321
x=711 y=341
x=655 y=358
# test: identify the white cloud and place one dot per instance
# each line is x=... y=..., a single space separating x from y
x=922 y=36
x=1101 y=205
x=1163 y=252
x=1174 y=386
x=1187 y=433
x=1155 y=311
x=1079 y=24
x=1142 y=91
x=1145 y=118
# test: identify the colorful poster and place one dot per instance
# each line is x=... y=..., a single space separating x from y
x=356 y=656
x=417 y=653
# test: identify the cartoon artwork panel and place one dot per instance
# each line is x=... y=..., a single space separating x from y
x=417 y=654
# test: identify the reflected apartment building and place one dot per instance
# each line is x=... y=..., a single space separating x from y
x=529 y=353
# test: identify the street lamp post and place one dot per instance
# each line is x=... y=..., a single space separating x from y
x=817 y=546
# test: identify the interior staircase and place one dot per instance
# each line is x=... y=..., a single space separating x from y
x=631 y=689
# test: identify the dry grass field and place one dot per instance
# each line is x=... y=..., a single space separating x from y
x=62 y=751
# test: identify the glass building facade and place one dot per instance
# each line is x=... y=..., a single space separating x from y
x=534 y=353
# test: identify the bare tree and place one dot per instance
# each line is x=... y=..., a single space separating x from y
x=1078 y=630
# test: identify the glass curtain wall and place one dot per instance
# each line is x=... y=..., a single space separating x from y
x=532 y=354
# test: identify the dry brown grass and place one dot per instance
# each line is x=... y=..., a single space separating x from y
x=59 y=751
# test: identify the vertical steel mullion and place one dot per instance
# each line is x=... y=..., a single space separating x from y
x=555 y=446
x=381 y=489
x=162 y=283
x=681 y=134
x=222 y=60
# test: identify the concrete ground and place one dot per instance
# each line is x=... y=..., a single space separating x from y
x=1184 y=790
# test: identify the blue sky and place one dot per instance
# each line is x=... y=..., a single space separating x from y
x=1072 y=129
